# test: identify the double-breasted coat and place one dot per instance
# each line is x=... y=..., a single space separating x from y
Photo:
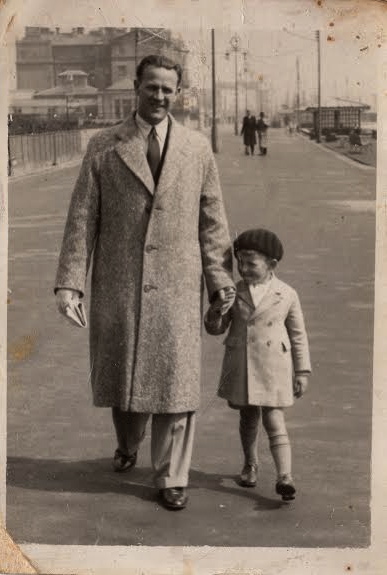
x=150 y=248
x=265 y=345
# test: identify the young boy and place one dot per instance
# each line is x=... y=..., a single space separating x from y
x=266 y=361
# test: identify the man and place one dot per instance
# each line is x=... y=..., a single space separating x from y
x=147 y=209
x=248 y=133
x=262 y=134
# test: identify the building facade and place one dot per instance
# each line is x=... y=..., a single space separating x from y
x=43 y=54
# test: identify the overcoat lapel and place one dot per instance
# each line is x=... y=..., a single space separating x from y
x=131 y=150
x=178 y=145
x=273 y=296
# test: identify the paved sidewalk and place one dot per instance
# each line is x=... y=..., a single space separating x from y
x=60 y=485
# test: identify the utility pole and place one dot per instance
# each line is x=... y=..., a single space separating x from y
x=214 y=129
x=318 y=119
x=298 y=93
x=235 y=45
x=236 y=127
x=135 y=49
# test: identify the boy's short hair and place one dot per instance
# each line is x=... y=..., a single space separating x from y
x=260 y=240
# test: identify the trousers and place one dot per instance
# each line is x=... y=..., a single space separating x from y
x=172 y=437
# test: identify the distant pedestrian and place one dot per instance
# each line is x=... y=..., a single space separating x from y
x=262 y=127
x=248 y=133
x=266 y=344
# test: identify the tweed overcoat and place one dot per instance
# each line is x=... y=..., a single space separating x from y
x=264 y=346
x=150 y=248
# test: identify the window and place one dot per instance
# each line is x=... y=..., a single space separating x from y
x=122 y=71
x=126 y=107
x=117 y=109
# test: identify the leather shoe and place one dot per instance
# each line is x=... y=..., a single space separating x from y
x=174 y=497
x=285 y=487
x=122 y=462
x=249 y=475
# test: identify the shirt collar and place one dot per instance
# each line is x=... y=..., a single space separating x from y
x=161 y=128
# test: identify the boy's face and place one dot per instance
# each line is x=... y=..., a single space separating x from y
x=254 y=267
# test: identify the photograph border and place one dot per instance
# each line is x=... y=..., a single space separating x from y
x=349 y=16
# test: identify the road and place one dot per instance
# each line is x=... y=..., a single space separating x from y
x=60 y=485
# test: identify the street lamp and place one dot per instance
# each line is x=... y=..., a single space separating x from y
x=235 y=47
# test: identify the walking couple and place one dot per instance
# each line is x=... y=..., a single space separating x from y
x=249 y=128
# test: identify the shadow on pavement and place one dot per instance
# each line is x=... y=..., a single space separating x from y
x=96 y=476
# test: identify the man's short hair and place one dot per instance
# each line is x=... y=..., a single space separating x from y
x=159 y=61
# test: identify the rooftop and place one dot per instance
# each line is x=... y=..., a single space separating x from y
x=123 y=84
x=61 y=91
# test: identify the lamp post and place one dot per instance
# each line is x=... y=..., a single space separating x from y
x=214 y=130
x=54 y=160
x=245 y=69
x=318 y=127
x=235 y=47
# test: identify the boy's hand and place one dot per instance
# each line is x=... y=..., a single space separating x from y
x=300 y=384
x=224 y=300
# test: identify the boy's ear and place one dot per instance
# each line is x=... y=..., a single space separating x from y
x=273 y=263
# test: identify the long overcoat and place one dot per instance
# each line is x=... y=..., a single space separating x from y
x=150 y=248
x=264 y=346
x=248 y=131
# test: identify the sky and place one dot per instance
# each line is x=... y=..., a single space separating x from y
x=348 y=71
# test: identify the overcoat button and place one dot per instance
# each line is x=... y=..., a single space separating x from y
x=268 y=344
x=148 y=209
x=270 y=323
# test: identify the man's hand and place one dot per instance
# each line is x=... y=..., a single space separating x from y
x=69 y=305
x=224 y=300
x=300 y=384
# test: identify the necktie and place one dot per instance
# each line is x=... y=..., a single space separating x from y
x=153 y=155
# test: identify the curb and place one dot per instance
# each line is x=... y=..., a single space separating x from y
x=344 y=157
x=45 y=169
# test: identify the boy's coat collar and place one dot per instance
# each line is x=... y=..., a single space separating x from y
x=272 y=296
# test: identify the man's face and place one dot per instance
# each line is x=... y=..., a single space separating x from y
x=157 y=91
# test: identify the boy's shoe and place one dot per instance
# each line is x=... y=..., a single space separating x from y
x=249 y=475
x=285 y=487
x=122 y=462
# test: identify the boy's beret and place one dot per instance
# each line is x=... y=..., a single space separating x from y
x=260 y=240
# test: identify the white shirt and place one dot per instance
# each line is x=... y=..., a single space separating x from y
x=144 y=128
x=258 y=291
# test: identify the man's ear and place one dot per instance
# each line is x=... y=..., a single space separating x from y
x=136 y=84
x=273 y=263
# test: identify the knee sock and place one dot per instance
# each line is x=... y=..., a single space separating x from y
x=282 y=454
x=248 y=430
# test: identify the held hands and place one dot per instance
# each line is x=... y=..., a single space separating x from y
x=69 y=305
x=299 y=385
x=223 y=301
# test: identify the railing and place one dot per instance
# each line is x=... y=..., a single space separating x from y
x=29 y=152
